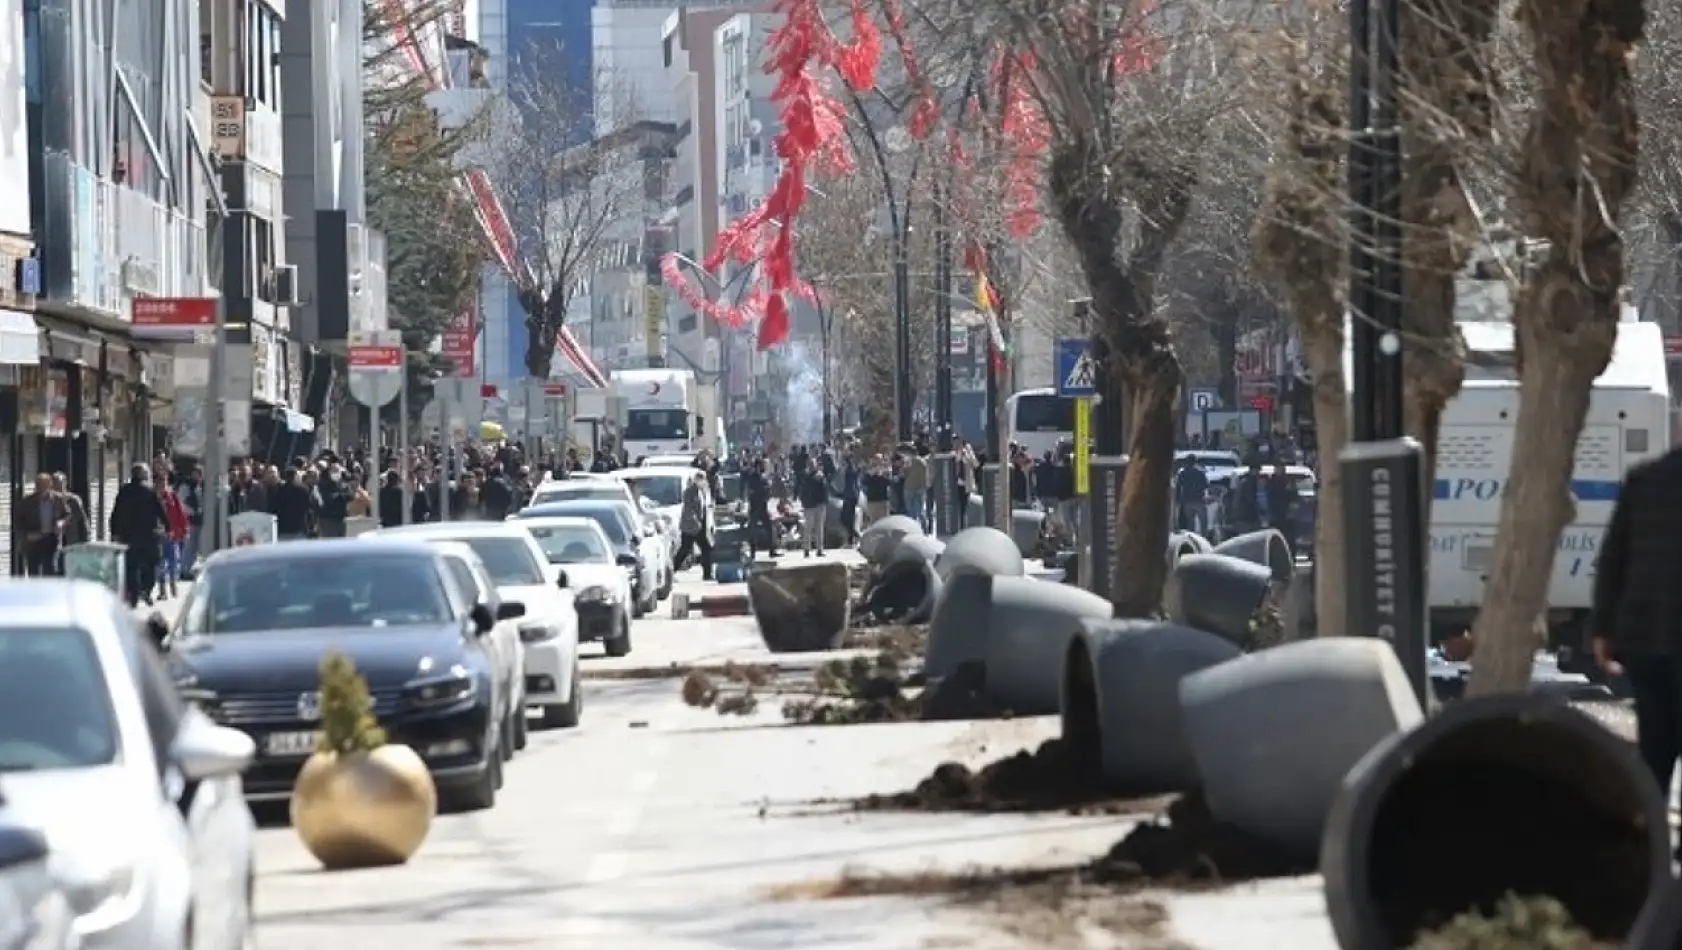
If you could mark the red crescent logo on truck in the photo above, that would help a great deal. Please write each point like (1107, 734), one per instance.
(654, 389)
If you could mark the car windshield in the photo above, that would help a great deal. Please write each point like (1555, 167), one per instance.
(507, 560)
(608, 517)
(571, 544)
(363, 590)
(55, 707)
(663, 490)
(646, 425)
(580, 490)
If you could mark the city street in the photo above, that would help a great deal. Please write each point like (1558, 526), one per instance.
(671, 828)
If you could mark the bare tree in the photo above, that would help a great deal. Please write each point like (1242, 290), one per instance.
(1575, 172)
(1299, 244)
(573, 197)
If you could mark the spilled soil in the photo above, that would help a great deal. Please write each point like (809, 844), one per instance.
(904, 641)
(1053, 777)
(729, 671)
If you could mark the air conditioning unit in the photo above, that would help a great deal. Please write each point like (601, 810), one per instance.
(286, 286)
(356, 249)
(140, 277)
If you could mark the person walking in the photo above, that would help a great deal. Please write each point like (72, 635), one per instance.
(1636, 617)
(175, 537)
(813, 491)
(139, 523)
(695, 524)
(39, 520)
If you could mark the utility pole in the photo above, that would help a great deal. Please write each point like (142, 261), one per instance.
(942, 322)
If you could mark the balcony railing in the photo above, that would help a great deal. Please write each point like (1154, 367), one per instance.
(91, 228)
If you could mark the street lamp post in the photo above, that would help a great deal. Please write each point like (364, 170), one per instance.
(1383, 470)
(942, 323)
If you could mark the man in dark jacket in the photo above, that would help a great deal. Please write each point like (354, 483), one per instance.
(138, 522)
(336, 494)
(391, 501)
(813, 492)
(496, 495)
(290, 505)
(1637, 618)
(756, 488)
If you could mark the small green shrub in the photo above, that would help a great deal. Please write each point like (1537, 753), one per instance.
(347, 709)
(1518, 923)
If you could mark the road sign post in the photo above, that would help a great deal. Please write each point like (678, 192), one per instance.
(1077, 373)
(376, 378)
(1082, 463)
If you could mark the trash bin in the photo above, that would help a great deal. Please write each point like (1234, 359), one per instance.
(99, 561)
(252, 527)
(356, 527)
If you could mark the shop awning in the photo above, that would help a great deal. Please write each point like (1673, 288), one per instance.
(298, 422)
(20, 339)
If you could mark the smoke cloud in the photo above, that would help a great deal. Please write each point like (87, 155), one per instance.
(804, 397)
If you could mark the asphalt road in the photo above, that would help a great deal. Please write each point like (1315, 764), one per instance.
(661, 827)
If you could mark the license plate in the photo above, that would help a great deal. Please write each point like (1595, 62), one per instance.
(290, 744)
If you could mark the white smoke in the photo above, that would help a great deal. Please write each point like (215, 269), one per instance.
(804, 397)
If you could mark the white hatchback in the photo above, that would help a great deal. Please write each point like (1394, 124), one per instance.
(137, 791)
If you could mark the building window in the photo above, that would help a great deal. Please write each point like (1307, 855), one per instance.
(667, 48)
(262, 59)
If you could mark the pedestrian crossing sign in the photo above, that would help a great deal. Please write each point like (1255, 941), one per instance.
(1077, 374)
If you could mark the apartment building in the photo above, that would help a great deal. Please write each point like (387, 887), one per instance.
(724, 167)
(105, 133)
(339, 259)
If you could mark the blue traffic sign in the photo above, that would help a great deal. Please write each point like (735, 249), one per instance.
(1077, 374)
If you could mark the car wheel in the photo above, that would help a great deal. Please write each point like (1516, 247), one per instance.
(505, 742)
(620, 643)
(481, 793)
(567, 715)
(666, 587)
(522, 732)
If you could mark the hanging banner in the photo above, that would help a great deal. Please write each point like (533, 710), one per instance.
(459, 344)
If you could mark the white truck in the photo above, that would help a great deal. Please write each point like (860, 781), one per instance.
(663, 412)
(1628, 421)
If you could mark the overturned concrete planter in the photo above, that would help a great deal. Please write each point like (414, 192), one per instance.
(1515, 794)
(975, 510)
(1274, 732)
(1217, 593)
(877, 542)
(917, 547)
(1266, 547)
(906, 592)
(800, 608)
(1025, 526)
(1183, 544)
(1027, 641)
(1121, 700)
(980, 550)
(958, 629)
(1660, 926)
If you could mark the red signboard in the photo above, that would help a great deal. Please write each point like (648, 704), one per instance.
(1264, 403)
(487, 390)
(375, 357)
(174, 313)
(1673, 347)
(459, 343)
(554, 390)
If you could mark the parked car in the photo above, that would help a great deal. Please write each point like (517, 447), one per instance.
(545, 640)
(34, 913)
(661, 490)
(633, 546)
(610, 487)
(137, 792)
(248, 643)
(601, 587)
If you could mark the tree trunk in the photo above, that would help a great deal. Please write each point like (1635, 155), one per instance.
(1323, 351)
(544, 316)
(1554, 389)
(1141, 565)
(1576, 169)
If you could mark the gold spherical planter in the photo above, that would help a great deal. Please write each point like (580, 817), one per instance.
(365, 809)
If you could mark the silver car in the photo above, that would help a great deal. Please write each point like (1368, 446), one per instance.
(34, 914)
(138, 793)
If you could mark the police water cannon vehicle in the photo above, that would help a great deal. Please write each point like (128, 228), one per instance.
(1627, 423)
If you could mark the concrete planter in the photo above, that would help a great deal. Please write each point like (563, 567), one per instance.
(1217, 593)
(980, 550)
(1121, 699)
(364, 809)
(958, 629)
(917, 548)
(1507, 794)
(906, 592)
(1025, 526)
(1266, 547)
(1029, 631)
(1184, 544)
(801, 608)
(1660, 926)
(877, 542)
(1275, 732)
